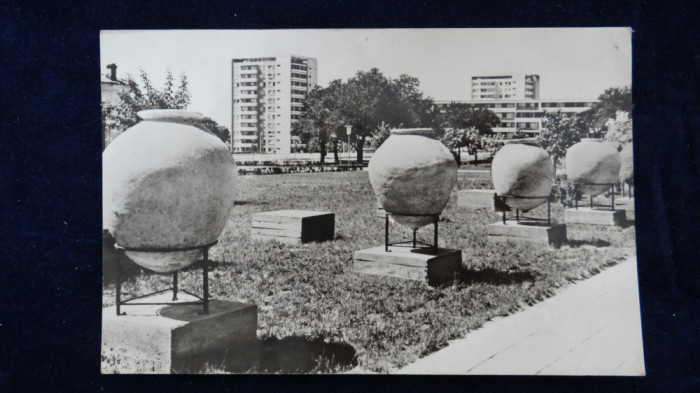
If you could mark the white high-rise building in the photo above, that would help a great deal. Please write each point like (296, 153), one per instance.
(505, 87)
(267, 98)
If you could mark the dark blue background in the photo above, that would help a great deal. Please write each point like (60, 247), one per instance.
(50, 149)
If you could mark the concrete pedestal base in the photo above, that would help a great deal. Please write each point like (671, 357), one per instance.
(586, 215)
(179, 338)
(476, 199)
(293, 226)
(418, 264)
(527, 232)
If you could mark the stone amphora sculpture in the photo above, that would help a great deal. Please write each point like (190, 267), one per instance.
(521, 173)
(413, 176)
(167, 183)
(627, 164)
(595, 162)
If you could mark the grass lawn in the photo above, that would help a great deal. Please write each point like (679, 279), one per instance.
(310, 291)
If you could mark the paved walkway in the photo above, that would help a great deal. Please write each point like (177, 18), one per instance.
(590, 328)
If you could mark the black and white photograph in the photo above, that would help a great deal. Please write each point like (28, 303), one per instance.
(369, 201)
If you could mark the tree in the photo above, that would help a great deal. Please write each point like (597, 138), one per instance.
(120, 114)
(465, 126)
(216, 129)
(321, 118)
(370, 102)
(609, 103)
(559, 132)
(373, 103)
(619, 129)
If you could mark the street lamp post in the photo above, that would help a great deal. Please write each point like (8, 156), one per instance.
(348, 127)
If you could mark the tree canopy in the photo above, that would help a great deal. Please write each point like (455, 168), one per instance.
(370, 102)
(609, 103)
(619, 129)
(559, 132)
(121, 113)
(321, 118)
(465, 126)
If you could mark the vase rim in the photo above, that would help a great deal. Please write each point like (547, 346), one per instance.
(412, 131)
(169, 114)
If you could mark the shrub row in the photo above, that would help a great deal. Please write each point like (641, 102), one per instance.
(278, 170)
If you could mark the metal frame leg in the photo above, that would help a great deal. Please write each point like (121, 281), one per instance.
(517, 215)
(414, 238)
(435, 234)
(205, 280)
(549, 215)
(386, 232)
(576, 196)
(612, 199)
(175, 285)
(591, 199)
(119, 282)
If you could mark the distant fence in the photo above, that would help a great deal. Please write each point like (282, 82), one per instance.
(289, 169)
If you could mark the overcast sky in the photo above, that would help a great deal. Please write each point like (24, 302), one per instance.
(573, 63)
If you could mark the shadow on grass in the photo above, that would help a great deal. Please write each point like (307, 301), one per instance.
(492, 276)
(595, 243)
(241, 203)
(628, 223)
(291, 355)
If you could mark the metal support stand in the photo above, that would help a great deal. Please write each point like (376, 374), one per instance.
(591, 204)
(501, 205)
(204, 299)
(414, 242)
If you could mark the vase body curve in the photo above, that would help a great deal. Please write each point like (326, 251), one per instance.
(167, 184)
(413, 176)
(522, 174)
(627, 164)
(593, 164)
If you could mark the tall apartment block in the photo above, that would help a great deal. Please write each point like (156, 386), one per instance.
(267, 98)
(508, 87)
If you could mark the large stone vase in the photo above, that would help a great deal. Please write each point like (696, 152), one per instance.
(627, 164)
(523, 175)
(413, 176)
(168, 183)
(594, 164)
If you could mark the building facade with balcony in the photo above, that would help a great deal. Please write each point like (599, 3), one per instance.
(508, 87)
(521, 118)
(267, 99)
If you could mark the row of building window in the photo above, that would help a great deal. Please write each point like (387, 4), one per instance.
(295, 75)
(526, 126)
(565, 104)
(301, 84)
(530, 114)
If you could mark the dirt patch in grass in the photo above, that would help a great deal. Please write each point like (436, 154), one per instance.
(310, 292)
